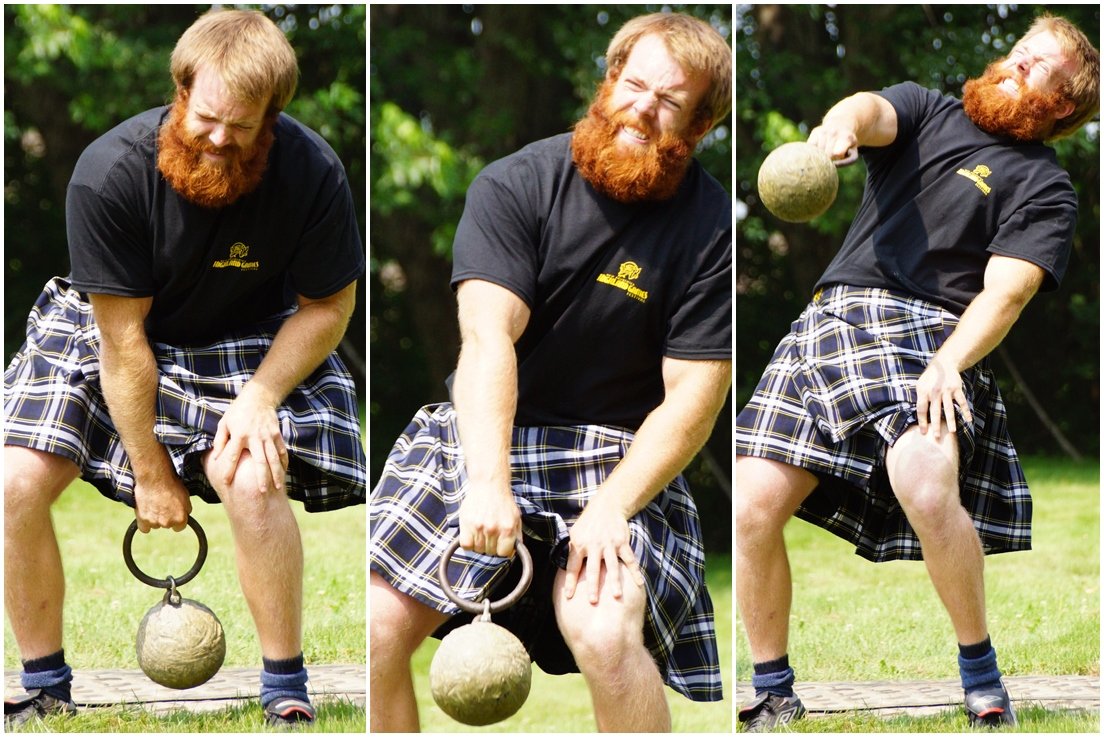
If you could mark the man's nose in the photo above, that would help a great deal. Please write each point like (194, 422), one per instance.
(219, 136)
(646, 103)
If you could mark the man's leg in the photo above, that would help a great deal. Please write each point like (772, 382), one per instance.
(924, 476)
(34, 584)
(767, 494)
(398, 625)
(269, 556)
(607, 641)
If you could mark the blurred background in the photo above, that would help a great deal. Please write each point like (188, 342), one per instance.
(793, 62)
(453, 88)
(73, 72)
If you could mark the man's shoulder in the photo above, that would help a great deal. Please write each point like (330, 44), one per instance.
(300, 140)
(131, 143)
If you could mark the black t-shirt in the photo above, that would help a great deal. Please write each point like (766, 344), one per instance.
(944, 196)
(210, 271)
(612, 288)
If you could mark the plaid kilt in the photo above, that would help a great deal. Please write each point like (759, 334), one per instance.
(841, 388)
(413, 519)
(53, 403)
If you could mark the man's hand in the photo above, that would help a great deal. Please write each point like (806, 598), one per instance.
(600, 537)
(833, 139)
(165, 503)
(938, 391)
(251, 424)
(490, 521)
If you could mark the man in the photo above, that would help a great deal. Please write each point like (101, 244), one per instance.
(877, 417)
(592, 273)
(215, 253)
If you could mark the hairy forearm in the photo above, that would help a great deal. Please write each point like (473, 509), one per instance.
(128, 379)
(485, 396)
(300, 346)
(670, 437)
(981, 328)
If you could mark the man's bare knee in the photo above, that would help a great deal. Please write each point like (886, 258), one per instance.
(398, 623)
(766, 494)
(33, 479)
(923, 473)
(604, 633)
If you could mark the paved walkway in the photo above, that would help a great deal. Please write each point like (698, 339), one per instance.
(232, 686)
(918, 697)
(229, 687)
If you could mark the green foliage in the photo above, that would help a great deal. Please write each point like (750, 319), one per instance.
(793, 62)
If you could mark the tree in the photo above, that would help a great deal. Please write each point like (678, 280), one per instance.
(792, 64)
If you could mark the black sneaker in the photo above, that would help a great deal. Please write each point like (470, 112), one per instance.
(990, 707)
(289, 713)
(769, 711)
(35, 704)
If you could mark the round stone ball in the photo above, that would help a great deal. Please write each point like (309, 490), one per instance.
(481, 674)
(797, 182)
(180, 645)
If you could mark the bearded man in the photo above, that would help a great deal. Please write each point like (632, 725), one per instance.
(878, 417)
(592, 273)
(215, 253)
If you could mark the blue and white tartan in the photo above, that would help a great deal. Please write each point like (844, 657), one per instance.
(413, 519)
(839, 391)
(53, 403)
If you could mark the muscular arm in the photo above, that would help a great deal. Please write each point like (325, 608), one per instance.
(1009, 284)
(666, 442)
(302, 343)
(485, 393)
(863, 119)
(128, 378)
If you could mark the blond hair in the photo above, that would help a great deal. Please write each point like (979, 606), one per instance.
(1082, 87)
(693, 43)
(249, 53)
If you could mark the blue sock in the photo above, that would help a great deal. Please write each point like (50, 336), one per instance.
(775, 677)
(283, 679)
(50, 673)
(978, 670)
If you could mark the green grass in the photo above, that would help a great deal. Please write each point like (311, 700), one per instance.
(562, 703)
(104, 603)
(853, 620)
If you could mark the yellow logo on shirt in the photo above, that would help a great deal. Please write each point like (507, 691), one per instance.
(977, 176)
(239, 252)
(627, 273)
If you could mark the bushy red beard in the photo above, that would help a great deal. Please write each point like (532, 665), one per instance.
(207, 183)
(1029, 117)
(651, 174)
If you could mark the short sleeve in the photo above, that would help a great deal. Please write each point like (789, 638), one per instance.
(701, 326)
(1040, 232)
(497, 237)
(109, 250)
(330, 252)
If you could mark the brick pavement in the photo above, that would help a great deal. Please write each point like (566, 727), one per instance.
(918, 697)
(232, 686)
(229, 687)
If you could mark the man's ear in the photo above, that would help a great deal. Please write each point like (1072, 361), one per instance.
(1065, 110)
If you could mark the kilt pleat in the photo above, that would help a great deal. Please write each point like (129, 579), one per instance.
(839, 391)
(53, 403)
(413, 519)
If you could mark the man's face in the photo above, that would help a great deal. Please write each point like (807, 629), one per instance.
(1037, 63)
(213, 149)
(1020, 95)
(225, 126)
(638, 136)
(653, 96)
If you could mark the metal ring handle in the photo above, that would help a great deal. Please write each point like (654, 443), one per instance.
(497, 606)
(171, 580)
